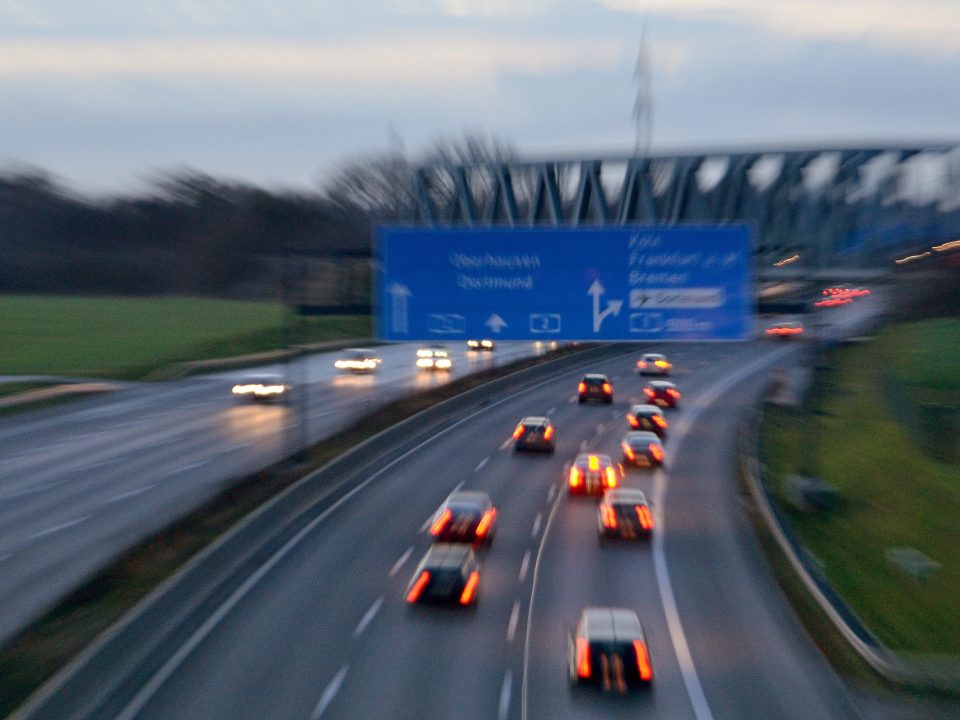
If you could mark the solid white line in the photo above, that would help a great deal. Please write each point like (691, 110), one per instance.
(536, 524)
(57, 528)
(552, 410)
(238, 446)
(399, 563)
(129, 494)
(329, 693)
(551, 492)
(185, 468)
(505, 691)
(368, 617)
(480, 464)
(524, 564)
(514, 618)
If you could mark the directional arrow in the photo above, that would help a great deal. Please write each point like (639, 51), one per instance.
(496, 323)
(613, 306)
(398, 306)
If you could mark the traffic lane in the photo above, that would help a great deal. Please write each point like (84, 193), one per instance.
(752, 654)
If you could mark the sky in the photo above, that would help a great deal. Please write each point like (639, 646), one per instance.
(108, 95)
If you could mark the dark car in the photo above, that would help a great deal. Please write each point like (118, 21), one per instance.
(649, 418)
(608, 651)
(785, 330)
(642, 449)
(662, 393)
(466, 517)
(624, 513)
(448, 574)
(595, 387)
(653, 364)
(535, 433)
(592, 474)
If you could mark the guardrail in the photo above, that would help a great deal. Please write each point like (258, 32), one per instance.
(112, 670)
(932, 672)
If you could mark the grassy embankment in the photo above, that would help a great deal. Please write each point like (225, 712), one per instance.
(127, 338)
(892, 495)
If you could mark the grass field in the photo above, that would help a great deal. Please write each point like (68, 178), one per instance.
(128, 337)
(892, 496)
(926, 355)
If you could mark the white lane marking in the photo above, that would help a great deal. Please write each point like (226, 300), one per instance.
(399, 563)
(677, 636)
(480, 464)
(572, 399)
(551, 492)
(368, 617)
(505, 692)
(600, 429)
(57, 528)
(506, 443)
(426, 524)
(514, 618)
(536, 524)
(129, 494)
(101, 463)
(524, 564)
(187, 468)
(330, 693)
(30, 490)
(552, 410)
(583, 445)
(238, 446)
(458, 486)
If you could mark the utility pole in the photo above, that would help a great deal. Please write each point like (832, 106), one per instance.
(643, 103)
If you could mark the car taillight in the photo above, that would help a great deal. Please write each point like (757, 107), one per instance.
(662, 364)
(641, 363)
(548, 433)
(483, 527)
(470, 589)
(659, 421)
(441, 522)
(644, 516)
(673, 393)
(518, 432)
(628, 451)
(582, 387)
(633, 421)
(607, 388)
(608, 517)
(643, 660)
(574, 477)
(418, 587)
(649, 392)
(656, 452)
(611, 477)
(583, 658)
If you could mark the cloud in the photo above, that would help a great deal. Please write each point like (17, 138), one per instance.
(425, 60)
(473, 8)
(929, 26)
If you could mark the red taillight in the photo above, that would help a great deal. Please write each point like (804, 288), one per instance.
(418, 587)
(673, 393)
(607, 388)
(548, 433)
(441, 522)
(659, 421)
(649, 392)
(583, 658)
(628, 451)
(582, 387)
(662, 364)
(633, 421)
(470, 589)
(644, 516)
(643, 660)
(518, 432)
(608, 517)
(641, 363)
(656, 451)
(483, 527)
(611, 476)
(574, 477)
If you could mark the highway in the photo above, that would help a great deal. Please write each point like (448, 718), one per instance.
(322, 629)
(82, 482)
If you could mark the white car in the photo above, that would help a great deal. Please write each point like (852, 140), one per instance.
(435, 357)
(358, 360)
(653, 364)
(261, 388)
(481, 344)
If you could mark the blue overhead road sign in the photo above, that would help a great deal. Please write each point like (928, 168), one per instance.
(603, 283)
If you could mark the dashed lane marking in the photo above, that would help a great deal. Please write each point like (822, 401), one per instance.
(399, 563)
(481, 464)
(330, 693)
(514, 618)
(57, 528)
(524, 566)
(368, 617)
(536, 525)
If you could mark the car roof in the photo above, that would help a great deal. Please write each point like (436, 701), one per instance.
(661, 384)
(584, 458)
(646, 409)
(469, 497)
(641, 436)
(653, 355)
(625, 495)
(365, 351)
(446, 556)
(535, 420)
(595, 376)
(259, 377)
(602, 623)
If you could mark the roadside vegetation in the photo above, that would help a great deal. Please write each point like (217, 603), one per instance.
(892, 493)
(127, 338)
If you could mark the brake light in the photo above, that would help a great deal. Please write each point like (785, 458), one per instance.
(633, 421)
(418, 586)
(608, 517)
(548, 433)
(483, 527)
(641, 363)
(644, 516)
(628, 451)
(659, 421)
(649, 392)
(582, 387)
(607, 388)
(583, 658)
(656, 451)
(673, 393)
(662, 364)
(643, 660)
(611, 477)
(518, 432)
(470, 589)
(441, 522)
(594, 462)
(574, 477)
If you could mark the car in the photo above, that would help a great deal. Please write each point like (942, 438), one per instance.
(624, 513)
(642, 449)
(466, 516)
(261, 388)
(785, 330)
(358, 360)
(434, 357)
(481, 344)
(608, 651)
(648, 417)
(592, 474)
(448, 574)
(662, 393)
(534, 433)
(653, 364)
(595, 386)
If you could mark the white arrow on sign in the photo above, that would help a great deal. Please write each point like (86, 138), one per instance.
(398, 307)
(613, 306)
(496, 323)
